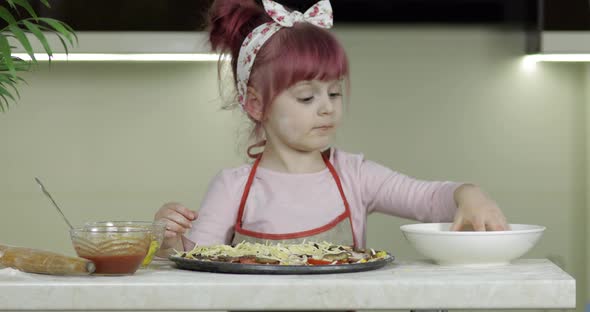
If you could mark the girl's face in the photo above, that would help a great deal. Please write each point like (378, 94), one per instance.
(304, 117)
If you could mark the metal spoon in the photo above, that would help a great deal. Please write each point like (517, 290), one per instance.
(53, 201)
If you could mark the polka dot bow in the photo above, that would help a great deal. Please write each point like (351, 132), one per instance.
(320, 14)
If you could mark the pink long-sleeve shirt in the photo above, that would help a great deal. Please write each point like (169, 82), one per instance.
(281, 203)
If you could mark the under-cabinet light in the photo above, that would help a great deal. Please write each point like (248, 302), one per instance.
(136, 57)
(529, 63)
(557, 58)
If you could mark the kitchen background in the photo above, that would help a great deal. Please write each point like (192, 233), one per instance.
(116, 140)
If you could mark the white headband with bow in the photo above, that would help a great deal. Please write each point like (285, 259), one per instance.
(320, 14)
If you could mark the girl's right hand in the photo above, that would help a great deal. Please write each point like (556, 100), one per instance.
(178, 220)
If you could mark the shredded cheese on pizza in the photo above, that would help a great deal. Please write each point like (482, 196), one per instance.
(306, 253)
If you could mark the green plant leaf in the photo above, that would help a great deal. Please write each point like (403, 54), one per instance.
(13, 86)
(27, 6)
(21, 65)
(8, 81)
(17, 63)
(63, 43)
(7, 93)
(61, 28)
(11, 4)
(45, 3)
(3, 100)
(6, 78)
(40, 36)
(24, 41)
(6, 15)
(3, 105)
(16, 30)
(6, 55)
(59, 36)
(11, 82)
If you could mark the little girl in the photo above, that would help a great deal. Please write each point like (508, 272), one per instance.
(289, 72)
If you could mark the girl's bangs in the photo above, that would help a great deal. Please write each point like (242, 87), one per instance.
(308, 55)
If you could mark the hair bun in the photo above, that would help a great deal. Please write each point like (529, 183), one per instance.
(230, 21)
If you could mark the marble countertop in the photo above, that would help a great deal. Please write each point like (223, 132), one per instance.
(526, 283)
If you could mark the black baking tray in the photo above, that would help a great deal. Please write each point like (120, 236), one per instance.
(241, 268)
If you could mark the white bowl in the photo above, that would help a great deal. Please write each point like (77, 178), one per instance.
(445, 247)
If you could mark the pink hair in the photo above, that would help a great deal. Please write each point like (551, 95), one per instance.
(293, 54)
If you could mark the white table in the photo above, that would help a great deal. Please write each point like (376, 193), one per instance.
(537, 284)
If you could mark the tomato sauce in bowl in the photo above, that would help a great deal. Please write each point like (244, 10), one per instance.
(116, 264)
(114, 250)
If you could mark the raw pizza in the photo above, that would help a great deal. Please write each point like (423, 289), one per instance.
(307, 253)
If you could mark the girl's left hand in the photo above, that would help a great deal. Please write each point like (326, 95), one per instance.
(476, 211)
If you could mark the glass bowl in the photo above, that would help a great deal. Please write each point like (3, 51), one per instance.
(157, 227)
(115, 250)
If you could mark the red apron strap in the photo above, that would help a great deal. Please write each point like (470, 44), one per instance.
(346, 205)
(247, 191)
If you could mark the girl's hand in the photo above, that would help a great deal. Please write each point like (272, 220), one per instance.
(476, 211)
(178, 220)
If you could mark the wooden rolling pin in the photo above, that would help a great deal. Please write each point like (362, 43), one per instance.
(43, 262)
